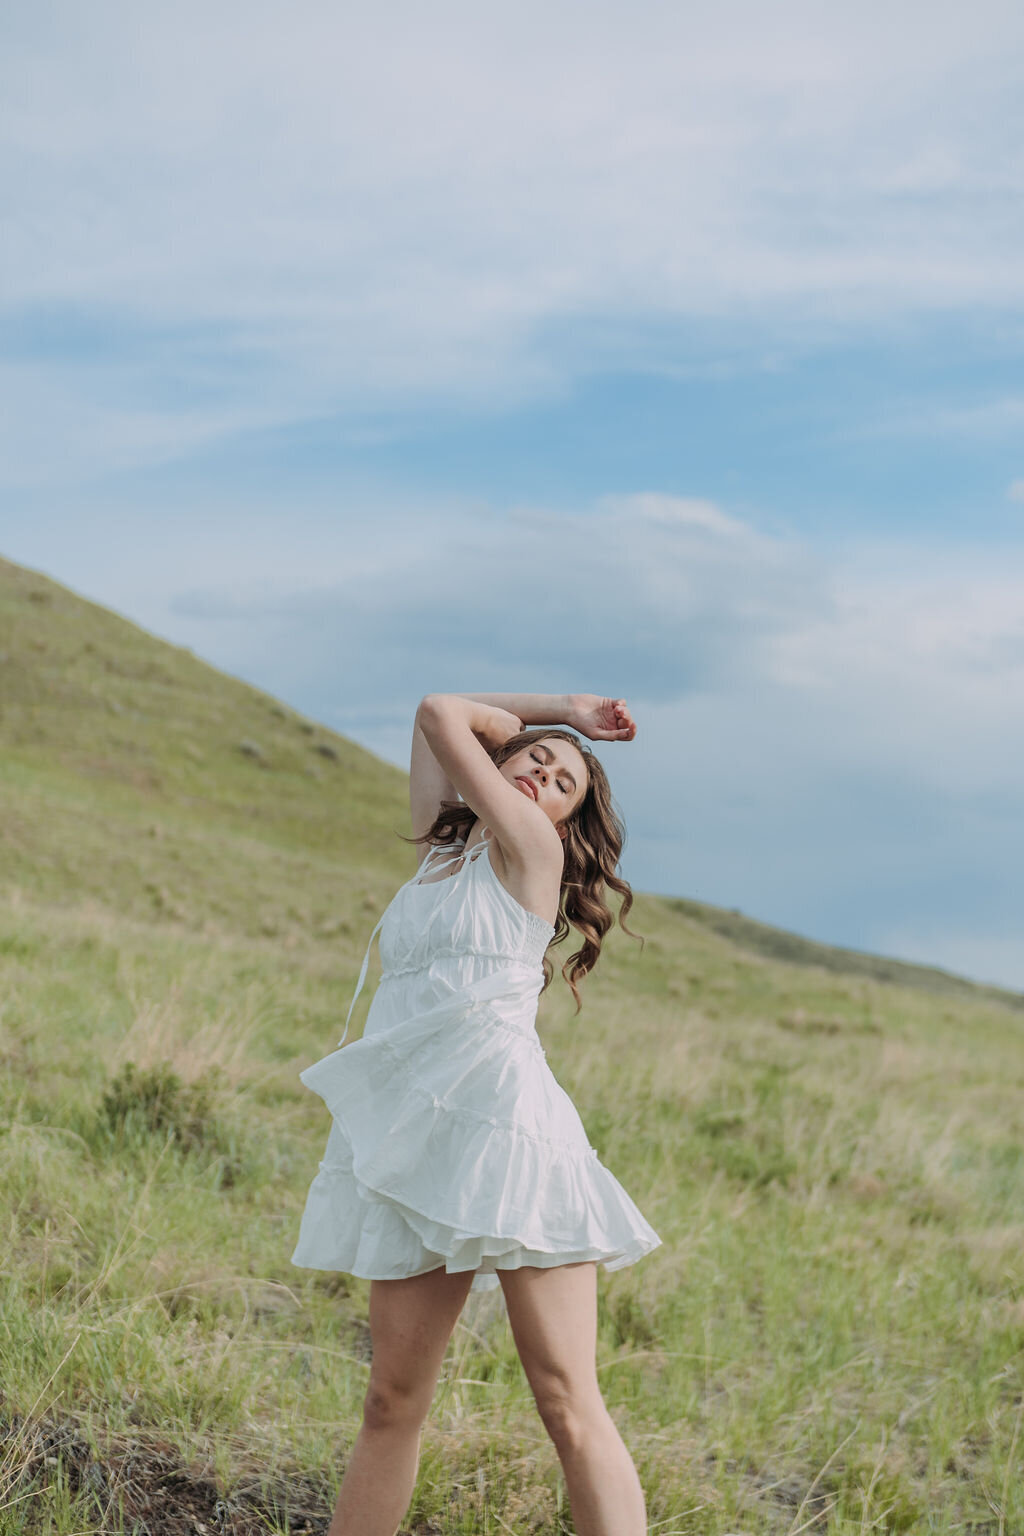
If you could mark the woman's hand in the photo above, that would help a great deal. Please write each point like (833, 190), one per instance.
(492, 726)
(602, 719)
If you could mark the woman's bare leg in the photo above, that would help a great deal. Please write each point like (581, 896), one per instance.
(553, 1313)
(411, 1322)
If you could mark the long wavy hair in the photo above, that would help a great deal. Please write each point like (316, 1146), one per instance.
(594, 835)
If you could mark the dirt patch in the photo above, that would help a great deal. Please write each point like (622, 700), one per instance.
(144, 1487)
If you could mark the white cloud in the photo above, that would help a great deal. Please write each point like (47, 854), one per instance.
(1016, 490)
(919, 667)
(986, 418)
(777, 667)
(377, 207)
(656, 594)
(992, 416)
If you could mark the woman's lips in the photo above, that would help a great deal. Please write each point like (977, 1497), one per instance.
(529, 785)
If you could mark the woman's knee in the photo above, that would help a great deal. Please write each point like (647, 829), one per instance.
(394, 1405)
(569, 1413)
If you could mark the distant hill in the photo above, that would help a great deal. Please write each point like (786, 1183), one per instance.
(140, 778)
(777, 944)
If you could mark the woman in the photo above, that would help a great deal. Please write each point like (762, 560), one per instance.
(454, 1159)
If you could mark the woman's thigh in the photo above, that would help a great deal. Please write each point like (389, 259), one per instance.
(411, 1322)
(553, 1313)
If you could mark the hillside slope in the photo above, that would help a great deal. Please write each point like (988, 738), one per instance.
(136, 775)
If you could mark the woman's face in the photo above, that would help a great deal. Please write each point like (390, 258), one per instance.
(552, 772)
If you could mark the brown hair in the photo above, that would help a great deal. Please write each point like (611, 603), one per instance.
(594, 835)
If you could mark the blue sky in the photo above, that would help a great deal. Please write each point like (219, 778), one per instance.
(676, 352)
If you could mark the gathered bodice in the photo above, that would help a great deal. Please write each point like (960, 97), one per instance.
(456, 933)
(467, 913)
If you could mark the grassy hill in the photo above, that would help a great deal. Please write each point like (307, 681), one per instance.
(830, 1144)
(137, 775)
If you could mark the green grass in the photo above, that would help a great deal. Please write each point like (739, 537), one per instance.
(830, 1339)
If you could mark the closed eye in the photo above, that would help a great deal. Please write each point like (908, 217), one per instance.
(563, 786)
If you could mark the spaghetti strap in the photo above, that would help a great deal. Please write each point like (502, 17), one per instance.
(456, 850)
(360, 983)
(432, 868)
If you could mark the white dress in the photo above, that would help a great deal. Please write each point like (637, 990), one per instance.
(452, 1145)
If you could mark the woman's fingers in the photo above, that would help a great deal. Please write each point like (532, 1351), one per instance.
(607, 720)
(624, 720)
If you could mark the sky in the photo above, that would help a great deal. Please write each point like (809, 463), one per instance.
(673, 352)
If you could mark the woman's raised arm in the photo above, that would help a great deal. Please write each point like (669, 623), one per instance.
(461, 734)
(599, 718)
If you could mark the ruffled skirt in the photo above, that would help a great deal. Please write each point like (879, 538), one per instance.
(452, 1146)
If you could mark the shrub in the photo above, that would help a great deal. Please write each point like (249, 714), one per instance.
(155, 1101)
